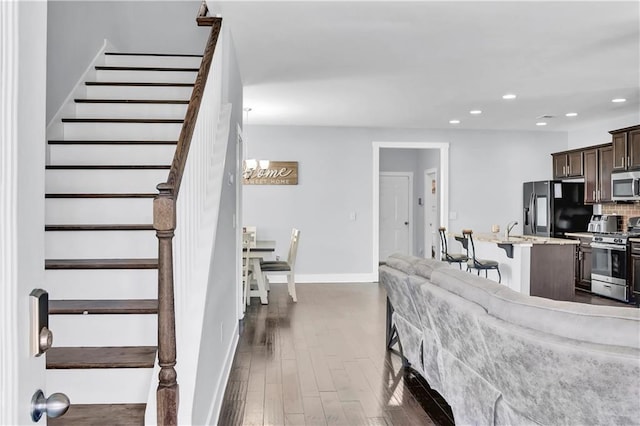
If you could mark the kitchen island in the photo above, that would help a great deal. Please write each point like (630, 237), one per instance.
(535, 266)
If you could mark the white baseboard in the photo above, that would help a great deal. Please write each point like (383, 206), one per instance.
(214, 410)
(328, 278)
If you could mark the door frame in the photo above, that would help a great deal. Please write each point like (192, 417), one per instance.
(427, 172)
(409, 206)
(443, 199)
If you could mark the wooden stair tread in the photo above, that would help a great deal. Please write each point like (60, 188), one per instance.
(101, 264)
(109, 167)
(100, 227)
(101, 195)
(101, 415)
(127, 83)
(102, 307)
(101, 357)
(110, 142)
(133, 68)
(124, 120)
(131, 101)
(180, 55)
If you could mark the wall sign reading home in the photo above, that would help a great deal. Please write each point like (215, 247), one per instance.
(264, 172)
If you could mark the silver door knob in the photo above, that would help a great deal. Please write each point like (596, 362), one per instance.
(55, 406)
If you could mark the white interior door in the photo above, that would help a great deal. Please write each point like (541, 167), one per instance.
(395, 213)
(431, 239)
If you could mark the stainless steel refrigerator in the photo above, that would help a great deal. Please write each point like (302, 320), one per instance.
(551, 208)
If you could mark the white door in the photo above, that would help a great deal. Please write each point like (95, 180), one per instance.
(431, 238)
(395, 214)
(22, 132)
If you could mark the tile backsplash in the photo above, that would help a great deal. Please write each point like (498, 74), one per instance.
(626, 210)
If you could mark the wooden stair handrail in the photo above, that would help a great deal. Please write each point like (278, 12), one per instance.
(164, 222)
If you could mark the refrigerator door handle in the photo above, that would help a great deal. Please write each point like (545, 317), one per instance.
(532, 209)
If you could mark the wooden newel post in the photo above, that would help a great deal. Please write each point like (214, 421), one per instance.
(164, 222)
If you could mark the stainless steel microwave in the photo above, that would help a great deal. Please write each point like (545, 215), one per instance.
(625, 186)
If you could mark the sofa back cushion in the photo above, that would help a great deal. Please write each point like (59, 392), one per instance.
(608, 325)
(396, 284)
(400, 264)
(468, 286)
(425, 267)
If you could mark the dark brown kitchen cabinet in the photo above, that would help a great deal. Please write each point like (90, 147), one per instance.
(626, 148)
(605, 167)
(567, 164)
(598, 162)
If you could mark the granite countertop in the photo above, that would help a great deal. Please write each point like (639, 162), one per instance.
(521, 239)
(635, 239)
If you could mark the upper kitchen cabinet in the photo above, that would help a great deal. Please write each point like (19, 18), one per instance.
(626, 148)
(598, 164)
(567, 164)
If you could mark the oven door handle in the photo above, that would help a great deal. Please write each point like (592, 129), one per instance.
(609, 246)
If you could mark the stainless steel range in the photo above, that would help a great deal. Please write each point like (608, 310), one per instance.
(609, 271)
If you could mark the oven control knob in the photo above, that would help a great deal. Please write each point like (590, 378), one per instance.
(617, 240)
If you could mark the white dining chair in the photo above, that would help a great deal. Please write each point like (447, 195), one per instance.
(280, 267)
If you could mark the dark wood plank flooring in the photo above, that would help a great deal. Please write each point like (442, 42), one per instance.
(323, 361)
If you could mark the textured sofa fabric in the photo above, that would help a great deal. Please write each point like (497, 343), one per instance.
(500, 357)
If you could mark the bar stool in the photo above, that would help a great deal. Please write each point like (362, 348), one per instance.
(451, 258)
(476, 263)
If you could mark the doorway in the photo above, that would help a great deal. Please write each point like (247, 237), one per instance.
(396, 215)
(442, 195)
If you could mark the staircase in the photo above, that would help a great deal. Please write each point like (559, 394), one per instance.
(100, 246)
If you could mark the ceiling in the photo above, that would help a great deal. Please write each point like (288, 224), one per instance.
(420, 64)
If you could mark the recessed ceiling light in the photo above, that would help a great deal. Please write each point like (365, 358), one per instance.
(571, 114)
(509, 96)
(454, 121)
(541, 123)
(475, 111)
(618, 100)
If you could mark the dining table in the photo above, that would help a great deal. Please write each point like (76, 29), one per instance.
(254, 254)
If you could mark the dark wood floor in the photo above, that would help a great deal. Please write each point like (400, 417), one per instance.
(323, 361)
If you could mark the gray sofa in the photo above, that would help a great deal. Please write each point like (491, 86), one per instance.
(500, 357)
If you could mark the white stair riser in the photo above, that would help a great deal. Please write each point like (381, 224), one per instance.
(152, 61)
(130, 110)
(143, 155)
(121, 131)
(100, 244)
(104, 181)
(139, 92)
(146, 76)
(102, 385)
(63, 211)
(101, 283)
(104, 330)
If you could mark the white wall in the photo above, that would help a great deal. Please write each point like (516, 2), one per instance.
(597, 132)
(77, 29)
(487, 169)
